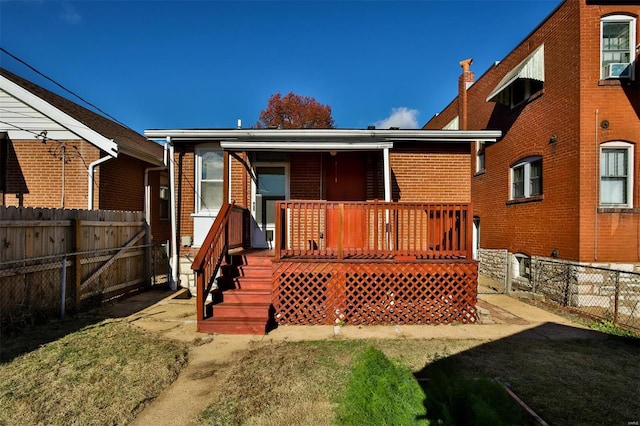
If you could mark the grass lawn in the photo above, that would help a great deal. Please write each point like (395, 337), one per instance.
(102, 373)
(568, 382)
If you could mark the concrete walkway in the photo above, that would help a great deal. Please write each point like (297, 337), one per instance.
(172, 316)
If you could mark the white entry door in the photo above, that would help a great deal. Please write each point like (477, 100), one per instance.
(271, 185)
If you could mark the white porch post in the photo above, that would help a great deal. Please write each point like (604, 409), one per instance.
(387, 175)
(387, 192)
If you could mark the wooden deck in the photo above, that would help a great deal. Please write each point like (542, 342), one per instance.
(417, 270)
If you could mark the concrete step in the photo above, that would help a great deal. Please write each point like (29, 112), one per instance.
(246, 296)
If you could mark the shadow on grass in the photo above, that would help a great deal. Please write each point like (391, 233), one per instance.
(24, 340)
(567, 375)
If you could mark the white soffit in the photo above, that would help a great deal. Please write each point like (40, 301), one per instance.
(63, 119)
(531, 68)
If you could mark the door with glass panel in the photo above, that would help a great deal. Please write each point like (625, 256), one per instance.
(271, 185)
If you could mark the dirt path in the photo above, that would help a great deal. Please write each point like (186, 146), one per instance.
(196, 387)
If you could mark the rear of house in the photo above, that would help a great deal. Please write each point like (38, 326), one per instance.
(359, 201)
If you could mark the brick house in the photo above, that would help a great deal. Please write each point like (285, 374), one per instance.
(329, 199)
(562, 182)
(55, 153)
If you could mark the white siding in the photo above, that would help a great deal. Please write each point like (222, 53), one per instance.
(21, 121)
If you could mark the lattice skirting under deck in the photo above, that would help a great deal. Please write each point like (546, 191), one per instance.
(375, 293)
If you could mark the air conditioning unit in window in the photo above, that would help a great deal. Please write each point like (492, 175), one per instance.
(617, 70)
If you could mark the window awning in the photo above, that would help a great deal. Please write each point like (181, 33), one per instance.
(532, 68)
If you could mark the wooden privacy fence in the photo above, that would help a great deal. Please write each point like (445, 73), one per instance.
(373, 230)
(54, 258)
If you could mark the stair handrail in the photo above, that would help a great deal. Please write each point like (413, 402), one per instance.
(209, 258)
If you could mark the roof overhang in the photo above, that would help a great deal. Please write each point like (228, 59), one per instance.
(318, 139)
(74, 126)
(532, 68)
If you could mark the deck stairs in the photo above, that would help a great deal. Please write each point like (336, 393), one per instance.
(243, 302)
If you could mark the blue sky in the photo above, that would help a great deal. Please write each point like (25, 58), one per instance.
(205, 64)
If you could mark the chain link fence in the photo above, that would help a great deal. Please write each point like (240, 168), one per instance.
(35, 289)
(601, 293)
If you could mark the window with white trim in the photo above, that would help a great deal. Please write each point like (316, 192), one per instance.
(526, 178)
(480, 146)
(617, 44)
(209, 179)
(521, 266)
(616, 175)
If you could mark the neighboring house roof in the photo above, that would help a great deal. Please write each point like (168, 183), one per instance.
(319, 139)
(105, 134)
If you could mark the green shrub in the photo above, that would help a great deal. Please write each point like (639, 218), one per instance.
(381, 392)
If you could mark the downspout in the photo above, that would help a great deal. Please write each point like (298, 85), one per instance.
(92, 167)
(174, 233)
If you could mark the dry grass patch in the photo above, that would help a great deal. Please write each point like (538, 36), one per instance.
(101, 374)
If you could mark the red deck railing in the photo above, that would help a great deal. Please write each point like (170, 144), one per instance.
(373, 230)
(225, 233)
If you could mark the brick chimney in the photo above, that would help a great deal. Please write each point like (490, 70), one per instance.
(466, 79)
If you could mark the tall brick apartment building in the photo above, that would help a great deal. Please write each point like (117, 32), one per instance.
(56, 154)
(563, 182)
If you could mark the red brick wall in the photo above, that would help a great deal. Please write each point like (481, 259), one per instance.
(184, 157)
(437, 173)
(34, 169)
(609, 235)
(122, 184)
(305, 172)
(565, 218)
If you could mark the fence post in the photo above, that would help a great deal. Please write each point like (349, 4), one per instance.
(63, 286)
(78, 262)
(615, 300)
(567, 285)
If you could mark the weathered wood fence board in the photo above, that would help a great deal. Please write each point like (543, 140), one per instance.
(104, 253)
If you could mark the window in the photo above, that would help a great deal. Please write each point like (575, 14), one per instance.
(164, 196)
(480, 156)
(209, 179)
(520, 91)
(521, 83)
(526, 178)
(618, 40)
(522, 266)
(616, 174)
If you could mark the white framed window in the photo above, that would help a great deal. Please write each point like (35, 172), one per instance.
(616, 175)
(480, 146)
(522, 266)
(617, 45)
(209, 179)
(526, 178)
